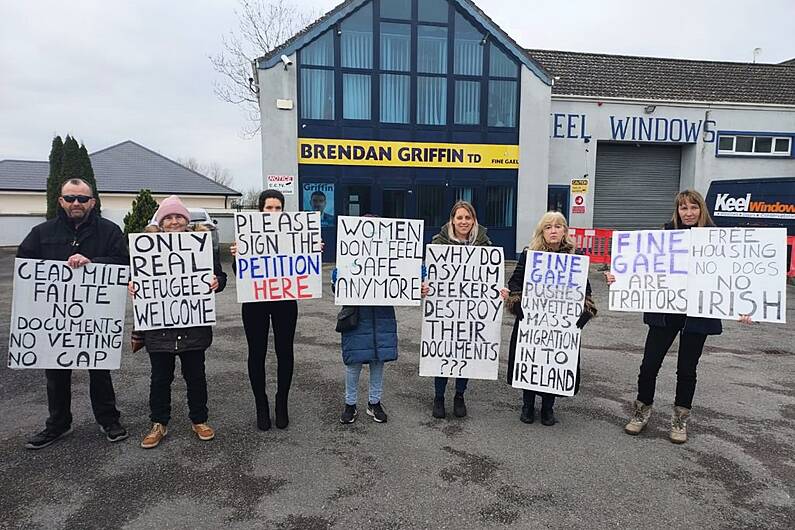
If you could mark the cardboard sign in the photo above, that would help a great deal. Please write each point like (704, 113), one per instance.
(738, 271)
(379, 261)
(462, 312)
(548, 342)
(651, 269)
(172, 273)
(278, 256)
(64, 318)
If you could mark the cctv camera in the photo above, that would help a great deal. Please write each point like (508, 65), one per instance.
(286, 61)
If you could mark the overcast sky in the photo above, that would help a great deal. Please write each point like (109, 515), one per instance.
(112, 71)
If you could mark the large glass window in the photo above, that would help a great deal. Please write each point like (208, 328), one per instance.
(431, 100)
(356, 39)
(320, 52)
(465, 193)
(396, 9)
(431, 206)
(499, 207)
(468, 50)
(502, 103)
(433, 10)
(395, 96)
(395, 47)
(431, 50)
(467, 102)
(317, 94)
(500, 65)
(356, 90)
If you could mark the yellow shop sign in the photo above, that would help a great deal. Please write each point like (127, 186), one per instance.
(406, 154)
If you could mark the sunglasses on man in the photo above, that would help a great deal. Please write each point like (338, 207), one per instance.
(82, 199)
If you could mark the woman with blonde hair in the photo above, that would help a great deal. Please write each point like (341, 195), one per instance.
(690, 210)
(461, 229)
(550, 235)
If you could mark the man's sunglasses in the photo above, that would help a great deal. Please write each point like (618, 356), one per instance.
(82, 199)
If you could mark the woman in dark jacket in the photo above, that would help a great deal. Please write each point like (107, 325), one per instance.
(462, 229)
(257, 319)
(690, 210)
(189, 344)
(551, 235)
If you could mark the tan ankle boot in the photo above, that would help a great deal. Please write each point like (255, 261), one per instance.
(679, 425)
(640, 417)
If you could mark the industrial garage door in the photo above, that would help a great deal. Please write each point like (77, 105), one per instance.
(635, 185)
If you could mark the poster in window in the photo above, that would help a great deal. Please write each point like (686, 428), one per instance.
(319, 197)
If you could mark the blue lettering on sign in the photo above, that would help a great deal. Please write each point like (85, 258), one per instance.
(643, 129)
(569, 126)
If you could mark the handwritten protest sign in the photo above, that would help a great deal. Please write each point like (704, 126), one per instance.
(379, 261)
(650, 267)
(548, 341)
(278, 256)
(64, 318)
(462, 312)
(738, 271)
(172, 273)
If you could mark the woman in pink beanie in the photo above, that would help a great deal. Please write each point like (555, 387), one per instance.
(187, 343)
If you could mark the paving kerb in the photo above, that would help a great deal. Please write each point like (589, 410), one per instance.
(484, 471)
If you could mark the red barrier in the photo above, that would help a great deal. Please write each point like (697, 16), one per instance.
(593, 242)
(791, 244)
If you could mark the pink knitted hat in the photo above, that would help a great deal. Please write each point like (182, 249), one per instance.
(171, 206)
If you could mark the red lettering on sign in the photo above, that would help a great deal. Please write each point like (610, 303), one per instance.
(282, 288)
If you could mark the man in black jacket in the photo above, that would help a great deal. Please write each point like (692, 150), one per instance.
(77, 235)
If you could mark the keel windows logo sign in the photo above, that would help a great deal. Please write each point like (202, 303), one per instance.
(727, 205)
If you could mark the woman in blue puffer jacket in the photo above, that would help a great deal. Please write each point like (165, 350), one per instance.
(373, 342)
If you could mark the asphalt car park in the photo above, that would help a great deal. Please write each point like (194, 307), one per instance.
(483, 471)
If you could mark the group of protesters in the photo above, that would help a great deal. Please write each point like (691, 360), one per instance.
(78, 235)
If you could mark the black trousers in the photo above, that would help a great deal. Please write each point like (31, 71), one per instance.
(163, 363)
(59, 398)
(658, 341)
(440, 384)
(257, 318)
(547, 400)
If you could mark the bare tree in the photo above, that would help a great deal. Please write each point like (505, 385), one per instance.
(212, 170)
(262, 26)
(248, 201)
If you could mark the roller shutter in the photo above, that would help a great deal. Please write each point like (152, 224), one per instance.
(635, 185)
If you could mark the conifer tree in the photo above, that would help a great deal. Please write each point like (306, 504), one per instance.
(87, 174)
(54, 178)
(143, 208)
(71, 164)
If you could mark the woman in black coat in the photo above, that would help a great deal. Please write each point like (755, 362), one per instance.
(690, 210)
(551, 235)
(187, 343)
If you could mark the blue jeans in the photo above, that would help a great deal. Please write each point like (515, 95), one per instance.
(352, 372)
(441, 384)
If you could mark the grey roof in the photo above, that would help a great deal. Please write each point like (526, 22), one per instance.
(123, 168)
(654, 78)
(313, 30)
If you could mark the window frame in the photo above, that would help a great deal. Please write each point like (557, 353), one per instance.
(774, 138)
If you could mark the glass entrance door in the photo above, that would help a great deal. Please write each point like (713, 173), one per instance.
(395, 203)
(357, 200)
